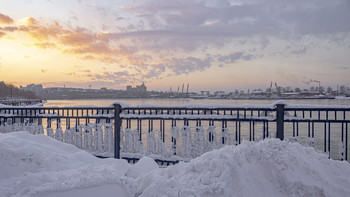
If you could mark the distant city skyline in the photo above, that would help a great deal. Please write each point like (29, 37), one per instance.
(209, 44)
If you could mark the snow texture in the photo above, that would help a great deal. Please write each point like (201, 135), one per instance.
(38, 165)
(267, 168)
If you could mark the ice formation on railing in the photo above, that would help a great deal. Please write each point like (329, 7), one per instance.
(151, 143)
(68, 135)
(87, 137)
(174, 136)
(186, 142)
(130, 140)
(98, 143)
(162, 149)
(310, 141)
(49, 132)
(198, 142)
(78, 136)
(225, 137)
(59, 133)
(211, 141)
(341, 150)
(109, 143)
(294, 139)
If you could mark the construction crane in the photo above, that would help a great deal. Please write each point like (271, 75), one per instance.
(278, 89)
(188, 85)
(270, 88)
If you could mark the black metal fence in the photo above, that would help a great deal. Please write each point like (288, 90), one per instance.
(172, 133)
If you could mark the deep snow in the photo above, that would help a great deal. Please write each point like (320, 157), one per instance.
(37, 165)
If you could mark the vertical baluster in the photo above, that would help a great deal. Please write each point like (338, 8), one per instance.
(346, 142)
(329, 139)
(325, 137)
(253, 130)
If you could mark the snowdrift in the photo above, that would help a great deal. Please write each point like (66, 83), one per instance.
(267, 168)
(37, 165)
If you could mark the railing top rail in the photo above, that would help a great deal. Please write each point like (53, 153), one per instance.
(54, 107)
(317, 107)
(198, 108)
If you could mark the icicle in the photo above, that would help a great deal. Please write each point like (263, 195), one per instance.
(122, 140)
(341, 150)
(31, 128)
(139, 146)
(68, 135)
(2, 128)
(310, 141)
(211, 142)
(186, 147)
(99, 138)
(87, 137)
(95, 133)
(17, 127)
(175, 135)
(49, 132)
(294, 139)
(162, 149)
(78, 136)
(151, 143)
(59, 133)
(108, 141)
(225, 135)
(198, 142)
(138, 143)
(129, 140)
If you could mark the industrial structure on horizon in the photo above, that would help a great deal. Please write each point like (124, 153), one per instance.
(140, 91)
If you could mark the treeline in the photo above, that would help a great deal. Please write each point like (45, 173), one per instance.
(8, 91)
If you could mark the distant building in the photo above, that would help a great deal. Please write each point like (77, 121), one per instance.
(33, 88)
(139, 89)
(207, 93)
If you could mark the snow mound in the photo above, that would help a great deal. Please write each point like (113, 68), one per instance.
(143, 166)
(37, 164)
(268, 168)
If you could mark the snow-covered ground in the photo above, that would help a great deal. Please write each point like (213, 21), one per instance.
(37, 165)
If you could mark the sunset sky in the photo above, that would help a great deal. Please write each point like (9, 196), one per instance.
(210, 44)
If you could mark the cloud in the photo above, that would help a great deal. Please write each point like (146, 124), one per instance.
(188, 65)
(156, 38)
(5, 19)
(45, 45)
(245, 19)
(234, 57)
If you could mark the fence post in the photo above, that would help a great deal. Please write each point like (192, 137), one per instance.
(280, 121)
(117, 125)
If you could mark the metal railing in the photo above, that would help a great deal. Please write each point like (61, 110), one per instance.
(132, 132)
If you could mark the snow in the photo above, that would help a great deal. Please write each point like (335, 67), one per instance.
(206, 106)
(38, 165)
(267, 168)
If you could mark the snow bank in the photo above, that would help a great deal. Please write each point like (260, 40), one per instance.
(267, 168)
(37, 165)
